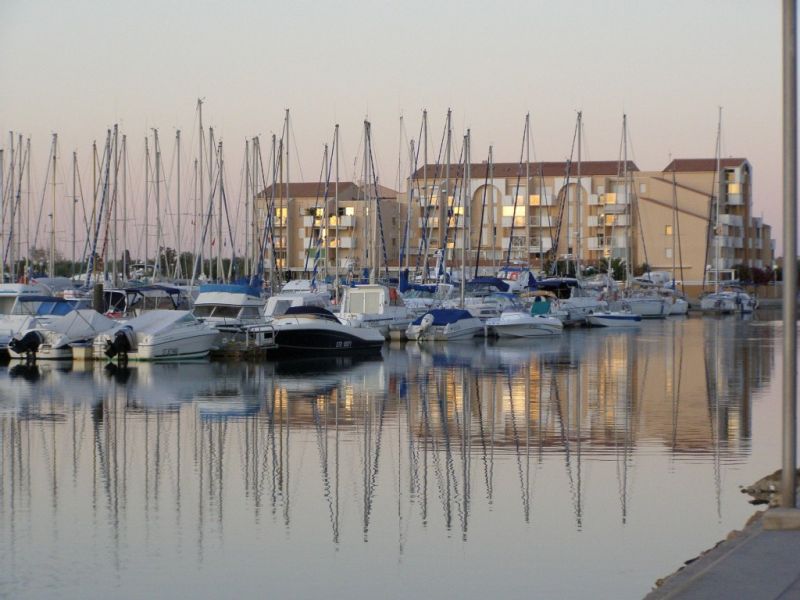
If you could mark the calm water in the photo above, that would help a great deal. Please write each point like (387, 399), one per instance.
(584, 467)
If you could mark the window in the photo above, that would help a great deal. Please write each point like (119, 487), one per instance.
(350, 211)
(642, 188)
(668, 252)
(734, 188)
(535, 200)
(668, 230)
(508, 211)
(611, 198)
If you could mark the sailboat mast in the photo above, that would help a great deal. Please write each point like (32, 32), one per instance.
(52, 268)
(2, 216)
(199, 163)
(465, 218)
(716, 199)
(288, 179)
(425, 231)
(578, 222)
(336, 205)
(527, 208)
(9, 254)
(444, 202)
(247, 187)
(220, 268)
(114, 270)
(628, 210)
(409, 199)
(146, 202)
(157, 145)
(178, 270)
(125, 248)
(74, 205)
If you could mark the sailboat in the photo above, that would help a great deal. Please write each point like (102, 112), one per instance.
(447, 324)
(728, 299)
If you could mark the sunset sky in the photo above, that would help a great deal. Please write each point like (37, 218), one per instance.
(78, 67)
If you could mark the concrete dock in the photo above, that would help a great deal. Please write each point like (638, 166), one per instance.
(757, 563)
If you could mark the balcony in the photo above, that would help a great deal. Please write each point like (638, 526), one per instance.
(728, 219)
(344, 242)
(345, 221)
(310, 221)
(545, 221)
(735, 199)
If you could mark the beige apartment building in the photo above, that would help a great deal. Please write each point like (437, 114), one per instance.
(592, 211)
(335, 226)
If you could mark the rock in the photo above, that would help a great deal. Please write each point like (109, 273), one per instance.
(767, 489)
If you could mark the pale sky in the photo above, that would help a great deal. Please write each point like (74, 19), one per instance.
(77, 67)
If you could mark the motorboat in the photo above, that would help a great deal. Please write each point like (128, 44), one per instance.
(445, 324)
(614, 318)
(29, 311)
(231, 309)
(54, 338)
(158, 335)
(376, 306)
(516, 323)
(314, 331)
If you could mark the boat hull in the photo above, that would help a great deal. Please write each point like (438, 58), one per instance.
(611, 319)
(323, 341)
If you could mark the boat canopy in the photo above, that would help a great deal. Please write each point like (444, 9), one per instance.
(444, 316)
(231, 288)
(47, 305)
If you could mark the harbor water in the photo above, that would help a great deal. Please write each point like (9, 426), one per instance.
(584, 466)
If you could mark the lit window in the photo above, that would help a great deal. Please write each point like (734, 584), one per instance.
(609, 219)
(458, 210)
(734, 188)
(350, 211)
(611, 198)
(508, 211)
(535, 200)
(668, 230)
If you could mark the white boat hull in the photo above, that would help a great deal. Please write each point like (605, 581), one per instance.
(614, 319)
(522, 325)
(460, 330)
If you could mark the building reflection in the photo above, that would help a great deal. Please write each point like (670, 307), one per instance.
(430, 427)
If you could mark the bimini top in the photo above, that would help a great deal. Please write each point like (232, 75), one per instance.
(316, 311)
(444, 316)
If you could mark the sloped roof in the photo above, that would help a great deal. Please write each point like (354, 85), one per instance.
(316, 189)
(547, 169)
(700, 165)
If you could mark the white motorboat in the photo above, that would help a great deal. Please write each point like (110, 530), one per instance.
(375, 306)
(158, 335)
(519, 324)
(613, 318)
(231, 309)
(54, 338)
(444, 324)
(29, 311)
(313, 331)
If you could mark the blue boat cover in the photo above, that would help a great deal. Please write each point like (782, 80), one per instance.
(488, 281)
(231, 288)
(444, 316)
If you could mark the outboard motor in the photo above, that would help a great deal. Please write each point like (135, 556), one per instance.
(27, 345)
(121, 344)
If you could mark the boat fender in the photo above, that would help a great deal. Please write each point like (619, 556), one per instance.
(393, 296)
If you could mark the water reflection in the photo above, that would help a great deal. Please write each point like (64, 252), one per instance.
(437, 432)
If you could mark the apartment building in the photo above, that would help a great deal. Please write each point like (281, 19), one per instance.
(529, 213)
(330, 227)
